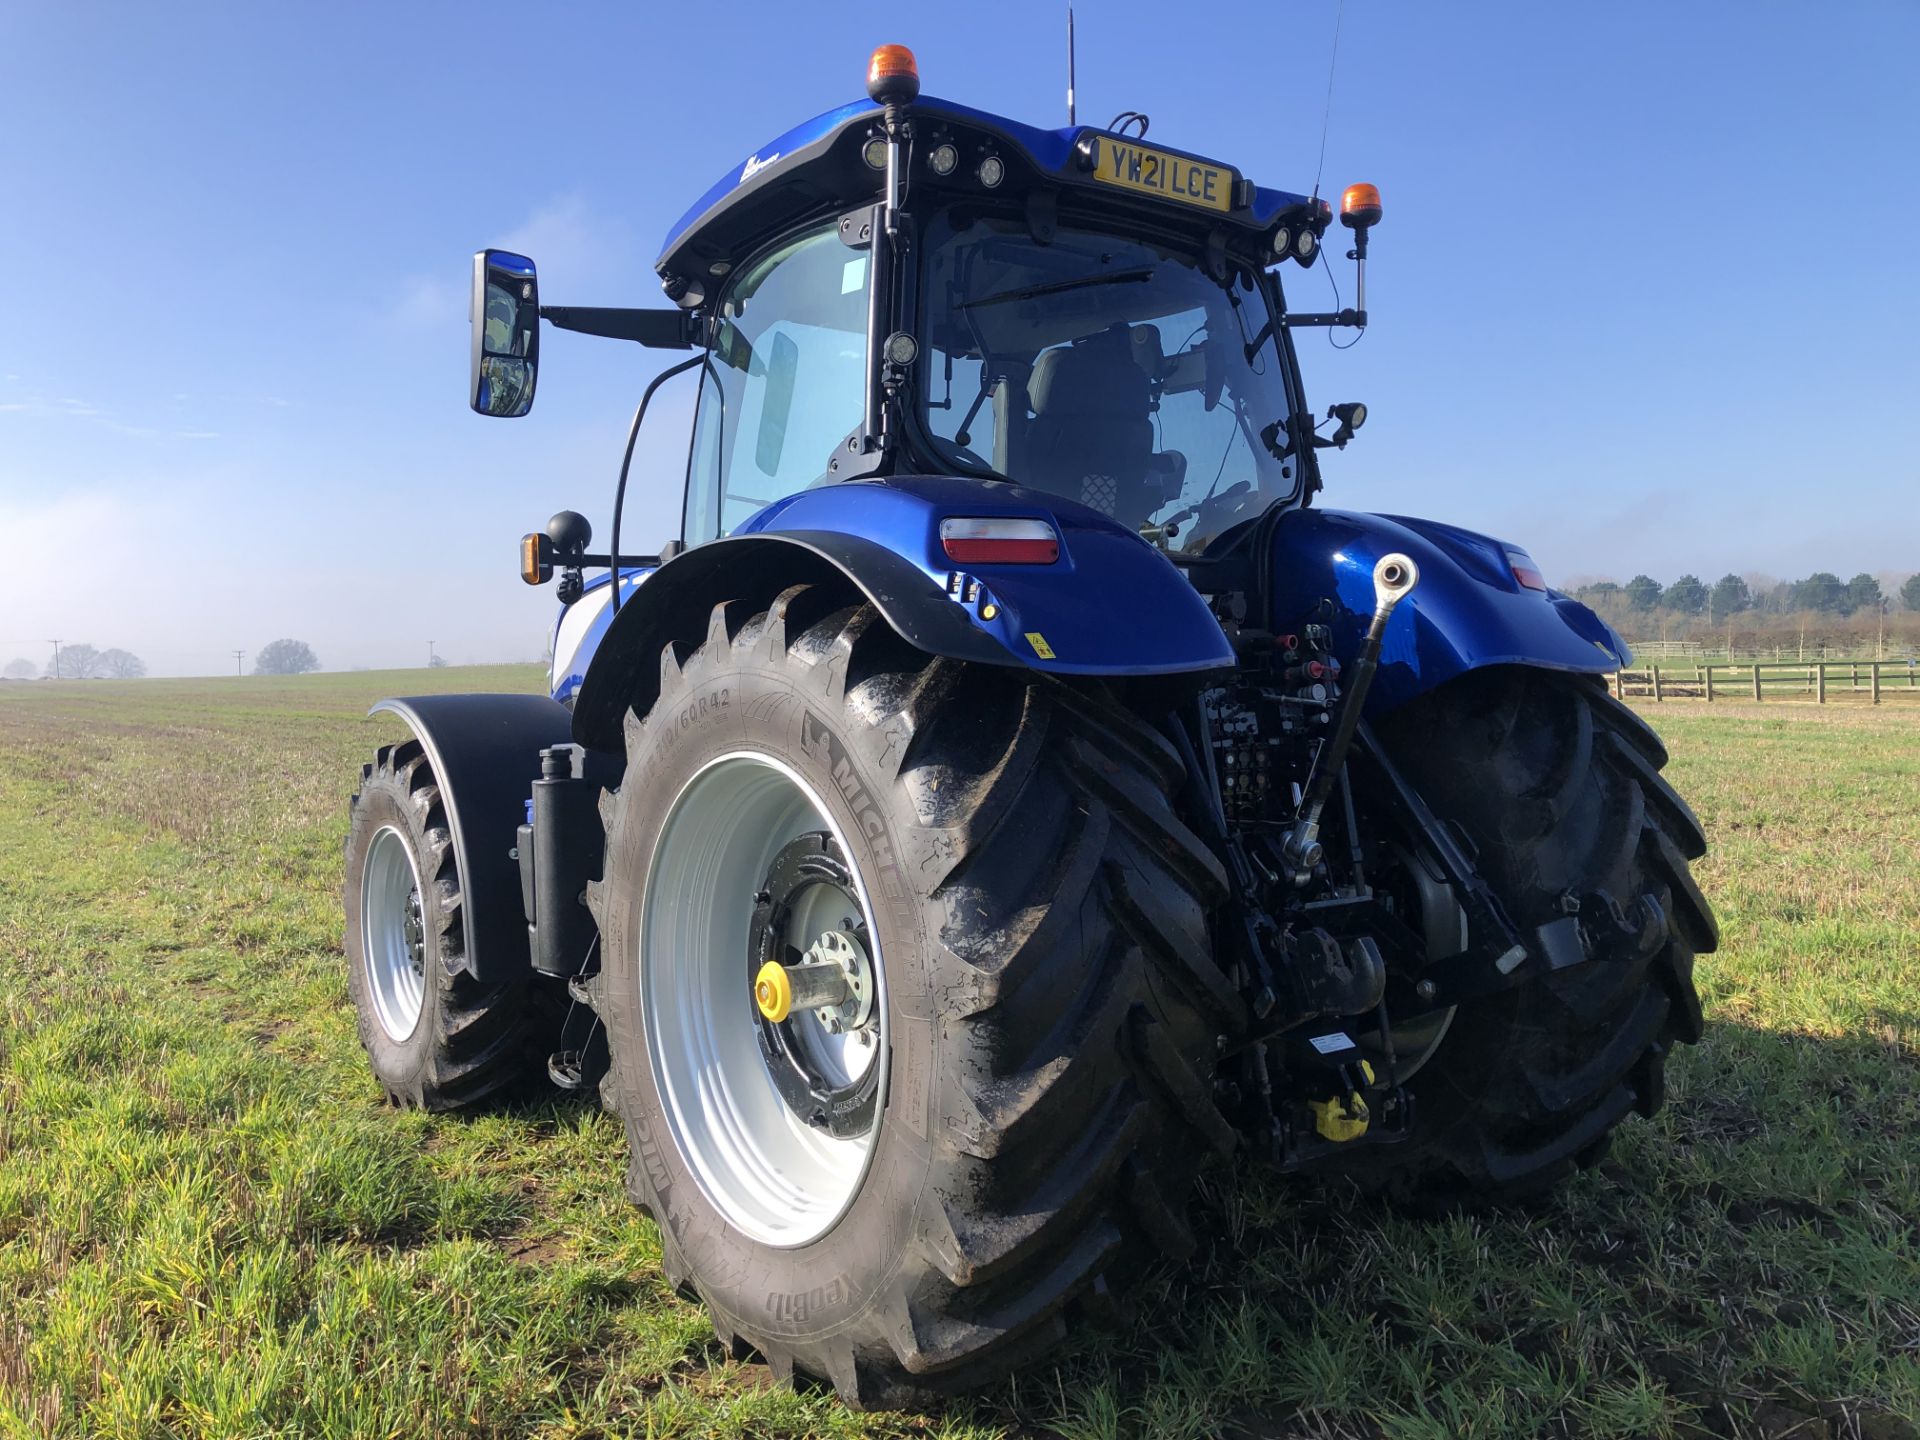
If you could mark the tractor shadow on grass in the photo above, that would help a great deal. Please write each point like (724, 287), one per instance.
(1743, 1265)
(1746, 1264)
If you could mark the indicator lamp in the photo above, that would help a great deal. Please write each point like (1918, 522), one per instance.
(992, 171)
(942, 159)
(536, 559)
(892, 76)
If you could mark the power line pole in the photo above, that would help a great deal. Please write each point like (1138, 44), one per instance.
(429, 654)
(238, 656)
(56, 658)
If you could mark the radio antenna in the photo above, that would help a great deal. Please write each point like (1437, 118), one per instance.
(1070, 114)
(1326, 117)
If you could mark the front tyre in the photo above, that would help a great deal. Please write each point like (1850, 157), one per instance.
(903, 1181)
(437, 1039)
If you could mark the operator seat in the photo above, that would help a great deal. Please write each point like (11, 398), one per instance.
(1091, 438)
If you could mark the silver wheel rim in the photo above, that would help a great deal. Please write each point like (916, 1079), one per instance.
(393, 933)
(770, 1174)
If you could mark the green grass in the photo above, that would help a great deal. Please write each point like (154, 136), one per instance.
(211, 1226)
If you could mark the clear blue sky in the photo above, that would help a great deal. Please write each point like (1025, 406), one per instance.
(1644, 295)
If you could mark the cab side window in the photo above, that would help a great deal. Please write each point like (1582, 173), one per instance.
(787, 381)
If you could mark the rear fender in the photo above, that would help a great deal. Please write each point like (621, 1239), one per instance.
(1111, 605)
(485, 753)
(1467, 612)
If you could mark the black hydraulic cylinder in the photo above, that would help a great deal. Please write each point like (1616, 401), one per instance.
(567, 850)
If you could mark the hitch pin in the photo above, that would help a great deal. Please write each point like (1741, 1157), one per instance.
(1394, 576)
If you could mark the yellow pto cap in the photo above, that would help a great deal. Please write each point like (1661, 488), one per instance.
(773, 991)
(1340, 1120)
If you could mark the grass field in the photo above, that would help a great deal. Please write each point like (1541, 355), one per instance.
(211, 1226)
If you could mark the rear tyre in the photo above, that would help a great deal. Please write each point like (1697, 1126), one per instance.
(437, 1038)
(920, 1209)
(1557, 786)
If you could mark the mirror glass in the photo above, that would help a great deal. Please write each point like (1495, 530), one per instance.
(506, 333)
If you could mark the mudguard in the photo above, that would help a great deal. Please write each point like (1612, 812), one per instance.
(485, 753)
(1467, 612)
(1111, 605)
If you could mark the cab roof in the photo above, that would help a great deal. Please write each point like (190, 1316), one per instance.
(817, 169)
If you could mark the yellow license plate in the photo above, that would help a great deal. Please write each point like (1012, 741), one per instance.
(1155, 172)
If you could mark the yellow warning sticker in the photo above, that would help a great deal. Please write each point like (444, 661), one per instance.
(1039, 643)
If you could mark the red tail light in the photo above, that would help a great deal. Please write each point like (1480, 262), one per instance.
(1525, 571)
(999, 540)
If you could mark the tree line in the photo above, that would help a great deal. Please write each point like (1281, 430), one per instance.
(1821, 593)
(85, 662)
(81, 662)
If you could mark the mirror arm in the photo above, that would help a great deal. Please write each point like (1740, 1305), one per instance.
(656, 329)
(584, 561)
(1351, 317)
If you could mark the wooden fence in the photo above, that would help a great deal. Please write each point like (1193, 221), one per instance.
(1865, 681)
(1698, 652)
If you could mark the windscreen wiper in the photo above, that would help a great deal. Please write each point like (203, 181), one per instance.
(1030, 292)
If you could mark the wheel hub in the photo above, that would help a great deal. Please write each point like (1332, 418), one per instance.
(834, 980)
(413, 930)
(811, 986)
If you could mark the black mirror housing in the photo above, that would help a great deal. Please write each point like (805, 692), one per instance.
(505, 315)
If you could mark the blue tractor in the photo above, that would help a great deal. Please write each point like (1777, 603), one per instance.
(1011, 788)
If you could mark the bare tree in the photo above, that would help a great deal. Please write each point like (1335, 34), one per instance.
(77, 662)
(122, 664)
(22, 669)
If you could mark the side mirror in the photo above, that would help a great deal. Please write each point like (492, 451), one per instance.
(505, 314)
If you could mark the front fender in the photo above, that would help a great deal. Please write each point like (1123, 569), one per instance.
(1467, 612)
(485, 754)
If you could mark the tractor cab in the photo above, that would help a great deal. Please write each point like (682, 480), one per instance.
(907, 286)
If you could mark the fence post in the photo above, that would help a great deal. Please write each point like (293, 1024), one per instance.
(1656, 684)
(1756, 682)
(1856, 674)
(1619, 686)
(1708, 672)
(1820, 683)
(1874, 673)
